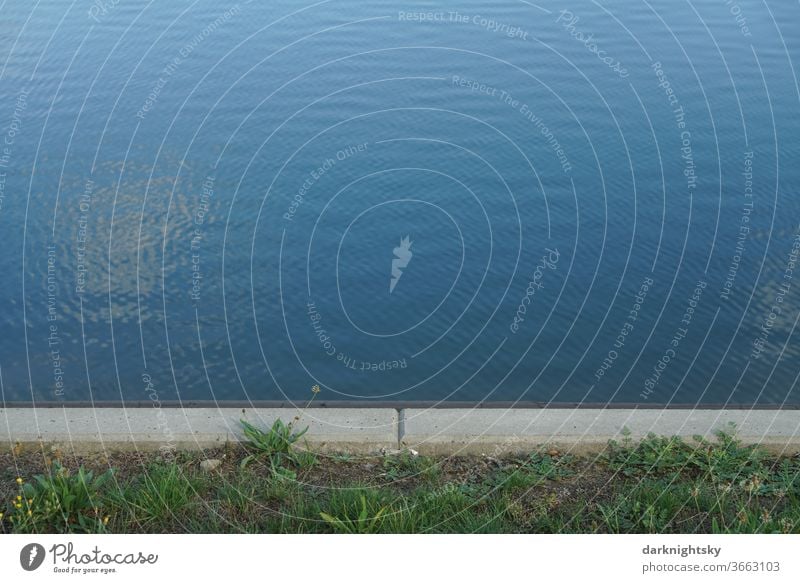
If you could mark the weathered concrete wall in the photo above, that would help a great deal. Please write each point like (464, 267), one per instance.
(587, 430)
(365, 430)
(99, 429)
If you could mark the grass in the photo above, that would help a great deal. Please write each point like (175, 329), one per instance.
(356, 511)
(658, 485)
(161, 494)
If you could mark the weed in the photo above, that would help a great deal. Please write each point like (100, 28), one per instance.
(550, 467)
(60, 501)
(275, 445)
(724, 461)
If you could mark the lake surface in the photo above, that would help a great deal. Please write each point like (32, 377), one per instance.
(587, 202)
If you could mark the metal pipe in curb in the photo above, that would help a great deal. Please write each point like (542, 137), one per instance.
(370, 430)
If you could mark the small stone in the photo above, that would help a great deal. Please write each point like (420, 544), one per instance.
(209, 465)
(552, 452)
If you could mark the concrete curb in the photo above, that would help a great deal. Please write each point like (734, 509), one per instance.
(587, 430)
(84, 430)
(432, 431)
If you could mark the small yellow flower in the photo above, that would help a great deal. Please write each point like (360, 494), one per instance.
(30, 500)
(17, 505)
(19, 498)
(105, 520)
(19, 480)
(1, 515)
(315, 389)
(30, 513)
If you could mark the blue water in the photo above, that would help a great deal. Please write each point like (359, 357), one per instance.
(600, 201)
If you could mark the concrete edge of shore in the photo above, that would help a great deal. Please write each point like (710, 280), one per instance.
(367, 431)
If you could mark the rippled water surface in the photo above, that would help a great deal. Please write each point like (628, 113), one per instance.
(557, 202)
